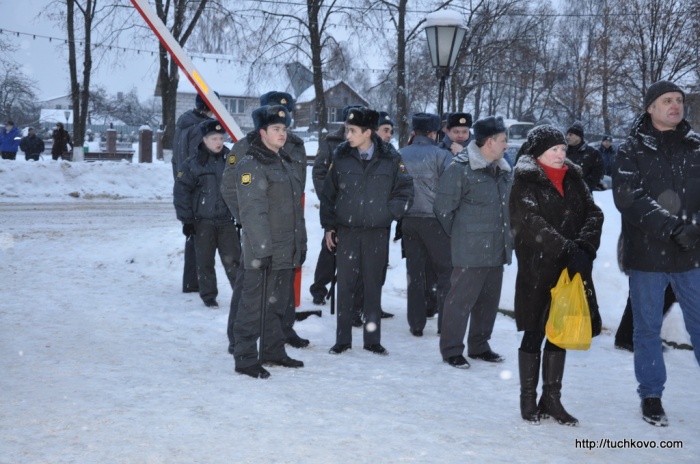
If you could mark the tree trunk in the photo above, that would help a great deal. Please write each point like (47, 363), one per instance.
(402, 109)
(313, 7)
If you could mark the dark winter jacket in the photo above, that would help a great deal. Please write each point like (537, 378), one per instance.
(656, 187)
(471, 206)
(326, 148)
(32, 145)
(548, 230)
(9, 140)
(61, 141)
(608, 155)
(197, 191)
(426, 163)
(187, 136)
(590, 161)
(268, 196)
(358, 197)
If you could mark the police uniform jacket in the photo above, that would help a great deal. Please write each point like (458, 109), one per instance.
(326, 148)
(187, 136)
(32, 145)
(656, 187)
(197, 190)
(426, 163)
(472, 206)
(548, 229)
(269, 207)
(358, 197)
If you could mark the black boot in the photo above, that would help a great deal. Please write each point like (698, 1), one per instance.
(529, 366)
(550, 402)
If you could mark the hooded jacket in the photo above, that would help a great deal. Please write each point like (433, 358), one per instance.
(548, 229)
(358, 197)
(471, 204)
(656, 187)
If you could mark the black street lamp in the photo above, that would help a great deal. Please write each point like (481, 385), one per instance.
(445, 34)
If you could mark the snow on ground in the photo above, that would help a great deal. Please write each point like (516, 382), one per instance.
(103, 359)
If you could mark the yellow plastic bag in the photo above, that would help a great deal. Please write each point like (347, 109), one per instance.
(569, 322)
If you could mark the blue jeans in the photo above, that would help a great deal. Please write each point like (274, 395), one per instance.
(647, 294)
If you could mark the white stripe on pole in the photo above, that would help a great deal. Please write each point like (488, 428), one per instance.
(186, 65)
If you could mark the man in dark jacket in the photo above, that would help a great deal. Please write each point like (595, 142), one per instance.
(656, 187)
(424, 240)
(587, 157)
(294, 147)
(472, 205)
(61, 143)
(32, 146)
(185, 142)
(203, 212)
(268, 206)
(10, 138)
(367, 187)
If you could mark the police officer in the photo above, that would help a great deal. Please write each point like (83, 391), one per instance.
(457, 134)
(424, 239)
(185, 142)
(203, 212)
(294, 147)
(386, 127)
(367, 187)
(268, 195)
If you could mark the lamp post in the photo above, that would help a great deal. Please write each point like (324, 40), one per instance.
(445, 35)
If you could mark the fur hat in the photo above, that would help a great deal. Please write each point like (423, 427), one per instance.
(384, 118)
(200, 104)
(542, 138)
(347, 109)
(426, 122)
(576, 129)
(278, 98)
(659, 88)
(459, 119)
(209, 126)
(488, 127)
(363, 117)
(268, 115)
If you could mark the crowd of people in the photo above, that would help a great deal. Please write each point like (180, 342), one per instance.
(32, 145)
(461, 211)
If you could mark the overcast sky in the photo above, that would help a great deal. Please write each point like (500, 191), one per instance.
(47, 62)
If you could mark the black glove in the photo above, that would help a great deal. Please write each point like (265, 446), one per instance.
(265, 263)
(188, 230)
(686, 236)
(303, 257)
(581, 263)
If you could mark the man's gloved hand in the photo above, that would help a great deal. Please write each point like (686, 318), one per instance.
(188, 230)
(580, 262)
(265, 263)
(686, 236)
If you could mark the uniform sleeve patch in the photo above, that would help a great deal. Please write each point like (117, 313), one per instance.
(245, 179)
(179, 174)
(231, 159)
(402, 167)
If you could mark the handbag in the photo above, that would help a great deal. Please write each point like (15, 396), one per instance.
(569, 322)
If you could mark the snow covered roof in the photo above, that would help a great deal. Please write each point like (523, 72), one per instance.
(309, 94)
(53, 116)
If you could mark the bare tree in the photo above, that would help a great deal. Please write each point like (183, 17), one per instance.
(17, 90)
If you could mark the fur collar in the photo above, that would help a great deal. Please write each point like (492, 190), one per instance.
(472, 155)
(528, 170)
(261, 153)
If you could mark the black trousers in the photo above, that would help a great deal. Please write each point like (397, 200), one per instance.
(189, 274)
(625, 331)
(426, 245)
(361, 256)
(324, 272)
(208, 239)
(247, 325)
(9, 155)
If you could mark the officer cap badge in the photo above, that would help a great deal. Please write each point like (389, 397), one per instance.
(218, 127)
(281, 114)
(462, 121)
(232, 159)
(283, 101)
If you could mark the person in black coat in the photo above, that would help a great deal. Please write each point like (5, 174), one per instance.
(32, 146)
(556, 225)
(584, 155)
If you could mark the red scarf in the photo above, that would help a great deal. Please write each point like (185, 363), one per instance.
(555, 175)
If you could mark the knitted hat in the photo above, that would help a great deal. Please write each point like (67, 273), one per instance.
(426, 122)
(384, 118)
(576, 129)
(268, 115)
(363, 117)
(210, 126)
(278, 98)
(200, 104)
(542, 138)
(607, 138)
(659, 88)
(488, 127)
(459, 119)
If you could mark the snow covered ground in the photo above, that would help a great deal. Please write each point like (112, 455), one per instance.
(103, 359)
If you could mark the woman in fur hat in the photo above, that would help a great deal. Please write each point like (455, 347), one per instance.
(555, 225)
